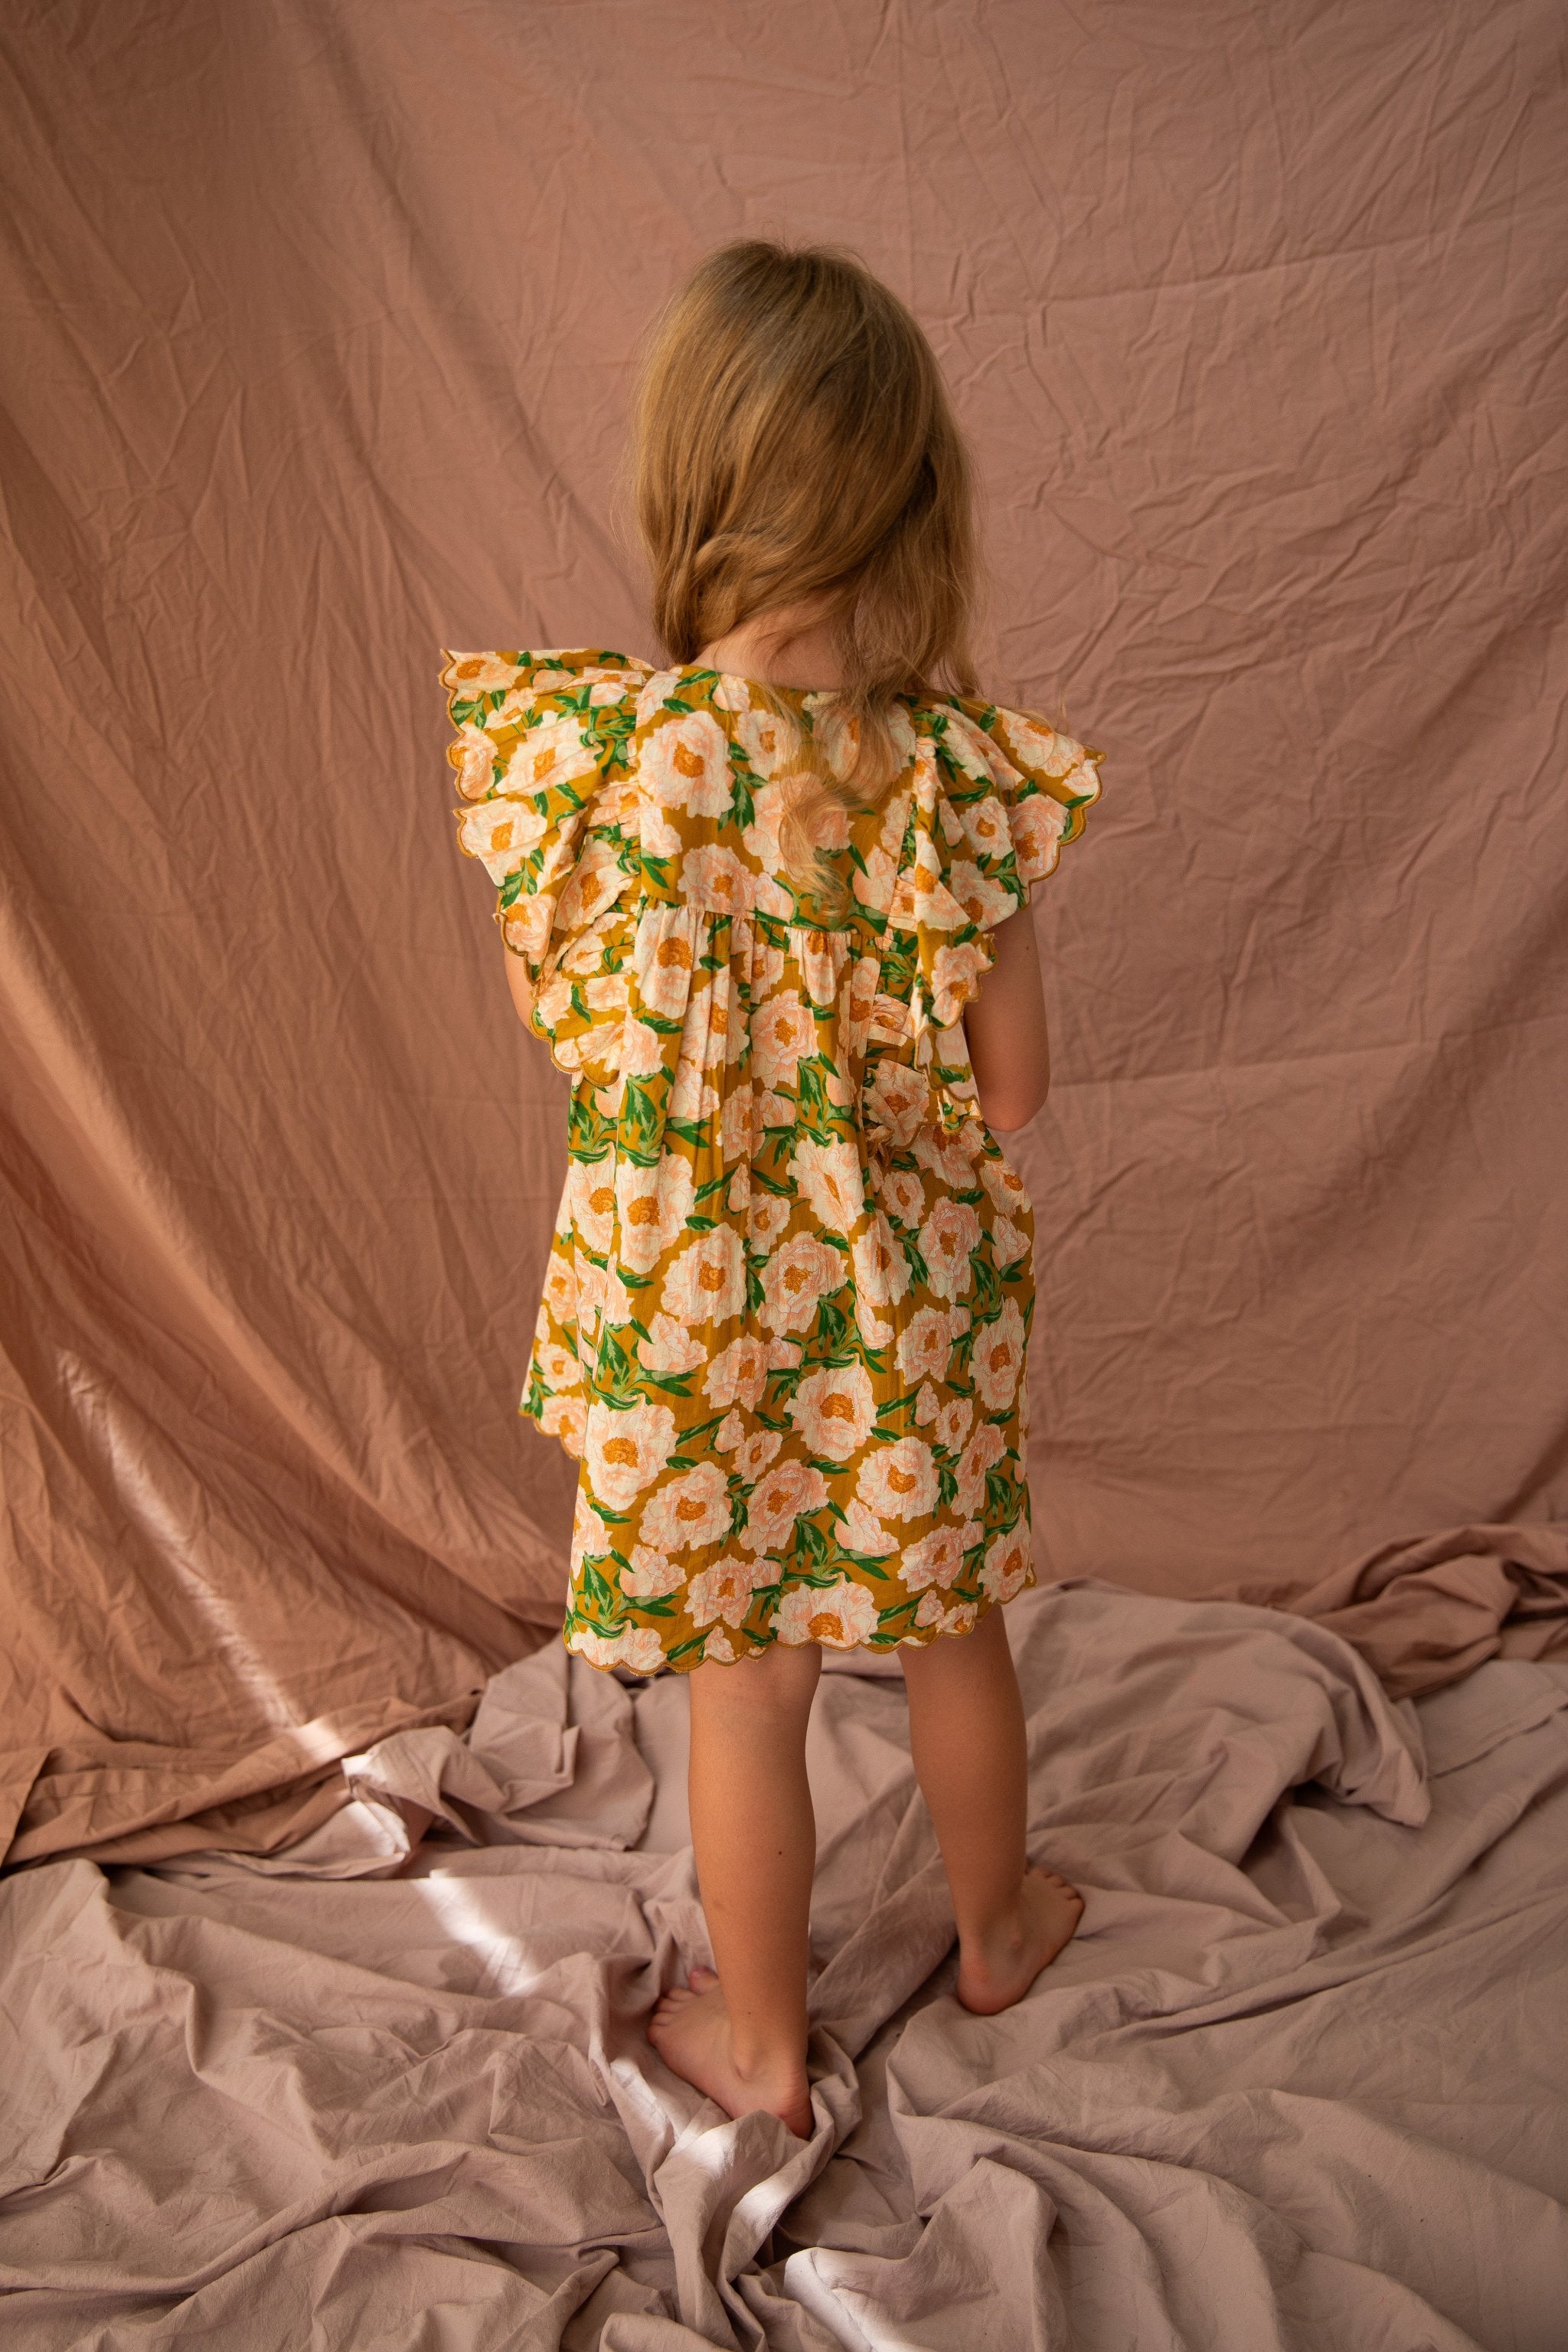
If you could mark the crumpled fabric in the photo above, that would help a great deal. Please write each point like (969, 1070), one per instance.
(1269, 2099)
(319, 338)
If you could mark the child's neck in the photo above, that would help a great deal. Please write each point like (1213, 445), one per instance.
(791, 647)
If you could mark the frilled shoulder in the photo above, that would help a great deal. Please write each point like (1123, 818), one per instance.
(1046, 779)
(990, 796)
(541, 758)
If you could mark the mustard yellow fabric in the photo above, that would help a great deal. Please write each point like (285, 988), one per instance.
(786, 1309)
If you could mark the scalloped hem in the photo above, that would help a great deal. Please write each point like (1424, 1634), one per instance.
(920, 1638)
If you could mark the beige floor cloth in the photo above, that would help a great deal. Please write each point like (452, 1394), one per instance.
(1300, 2082)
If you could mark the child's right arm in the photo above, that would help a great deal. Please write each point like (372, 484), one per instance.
(1005, 1025)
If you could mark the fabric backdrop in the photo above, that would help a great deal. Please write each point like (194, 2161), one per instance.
(319, 323)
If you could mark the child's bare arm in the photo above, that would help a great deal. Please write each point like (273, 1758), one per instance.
(521, 988)
(1006, 1026)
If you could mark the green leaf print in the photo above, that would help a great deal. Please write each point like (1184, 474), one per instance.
(616, 1370)
(988, 1289)
(702, 1428)
(892, 1405)
(639, 1117)
(810, 1544)
(589, 1135)
(832, 1323)
(1001, 1501)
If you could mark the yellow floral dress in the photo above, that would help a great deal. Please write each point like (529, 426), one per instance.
(788, 1299)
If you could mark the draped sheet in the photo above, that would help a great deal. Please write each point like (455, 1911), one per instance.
(1298, 2080)
(321, 320)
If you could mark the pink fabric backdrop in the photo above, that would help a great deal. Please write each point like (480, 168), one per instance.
(321, 320)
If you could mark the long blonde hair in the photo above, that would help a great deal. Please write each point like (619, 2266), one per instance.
(794, 443)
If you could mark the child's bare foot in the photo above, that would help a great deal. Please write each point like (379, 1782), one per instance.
(999, 1971)
(689, 2028)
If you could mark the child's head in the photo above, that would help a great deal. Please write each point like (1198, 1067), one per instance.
(796, 445)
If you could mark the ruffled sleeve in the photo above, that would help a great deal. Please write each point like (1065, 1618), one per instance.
(540, 755)
(996, 794)
(1046, 779)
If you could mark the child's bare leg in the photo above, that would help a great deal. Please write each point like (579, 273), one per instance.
(741, 2035)
(966, 1731)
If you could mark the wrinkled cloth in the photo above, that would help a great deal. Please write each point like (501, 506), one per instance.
(321, 320)
(1425, 1612)
(788, 1300)
(1272, 2097)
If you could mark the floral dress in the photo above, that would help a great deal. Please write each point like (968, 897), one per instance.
(788, 1299)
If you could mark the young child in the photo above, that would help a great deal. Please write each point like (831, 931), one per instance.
(766, 906)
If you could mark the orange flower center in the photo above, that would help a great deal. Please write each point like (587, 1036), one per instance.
(690, 1507)
(643, 1210)
(622, 1449)
(602, 1202)
(674, 954)
(823, 1628)
(710, 1277)
(901, 1481)
(687, 762)
(838, 1407)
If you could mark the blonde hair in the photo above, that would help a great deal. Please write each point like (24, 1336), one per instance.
(794, 444)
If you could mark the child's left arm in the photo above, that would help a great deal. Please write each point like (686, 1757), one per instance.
(1010, 1050)
(521, 987)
